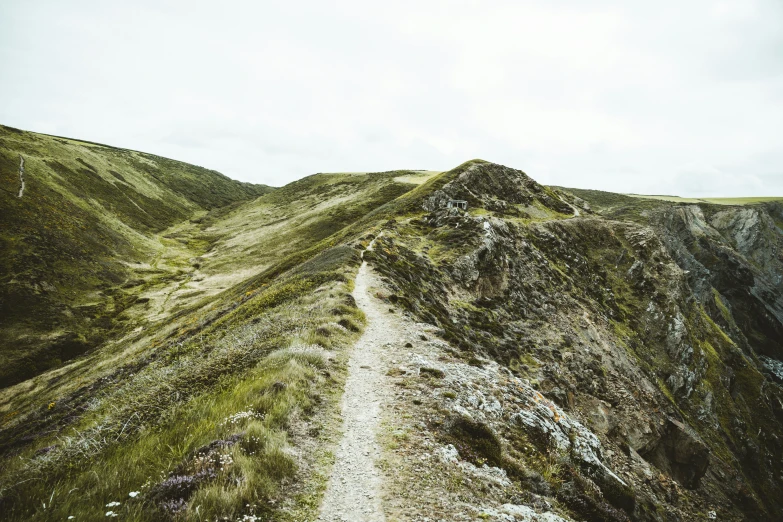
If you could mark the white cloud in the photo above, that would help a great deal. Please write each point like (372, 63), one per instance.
(623, 96)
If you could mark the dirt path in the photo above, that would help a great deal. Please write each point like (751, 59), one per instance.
(354, 489)
(401, 374)
(576, 210)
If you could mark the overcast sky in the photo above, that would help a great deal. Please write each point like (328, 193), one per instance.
(631, 96)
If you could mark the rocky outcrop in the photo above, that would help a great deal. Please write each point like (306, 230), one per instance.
(642, 336)
(498, 189)
(752, 232)
(733, 266)
(680, 452)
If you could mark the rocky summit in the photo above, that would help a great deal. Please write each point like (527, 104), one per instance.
(403, 345)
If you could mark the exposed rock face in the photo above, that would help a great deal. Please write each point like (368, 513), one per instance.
(496, 188)
(752, 233)
(679, 452)
(734, 269)
(642, 333)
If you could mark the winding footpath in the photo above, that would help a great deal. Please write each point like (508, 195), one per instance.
(576, 210)
(353, 493)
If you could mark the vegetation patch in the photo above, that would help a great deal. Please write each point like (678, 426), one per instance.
(475, 441)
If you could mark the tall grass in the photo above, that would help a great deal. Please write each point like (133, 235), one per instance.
(230, 396)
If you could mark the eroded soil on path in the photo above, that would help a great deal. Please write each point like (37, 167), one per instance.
(354, 489)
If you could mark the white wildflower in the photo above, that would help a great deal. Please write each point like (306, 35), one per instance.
(112, 504)
(133, 494)
(242, 415)
(111, 514)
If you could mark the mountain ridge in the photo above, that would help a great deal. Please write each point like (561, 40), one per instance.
(558, 354)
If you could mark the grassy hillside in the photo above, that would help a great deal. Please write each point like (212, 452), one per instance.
(231, 350)
(88, 215)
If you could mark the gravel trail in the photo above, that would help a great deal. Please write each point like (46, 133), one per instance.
(354, 489)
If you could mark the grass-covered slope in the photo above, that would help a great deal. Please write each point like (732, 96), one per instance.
(87, 214)
(294, 217)
(217, 397)
(203, 419)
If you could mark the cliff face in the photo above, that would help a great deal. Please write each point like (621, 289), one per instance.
(733, 262)
(656, 333)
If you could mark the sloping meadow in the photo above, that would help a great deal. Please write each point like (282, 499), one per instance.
(88, 214)
(211, 422)
(222, 407)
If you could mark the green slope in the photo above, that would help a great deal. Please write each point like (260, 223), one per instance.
(217, 309)
(87, 215)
